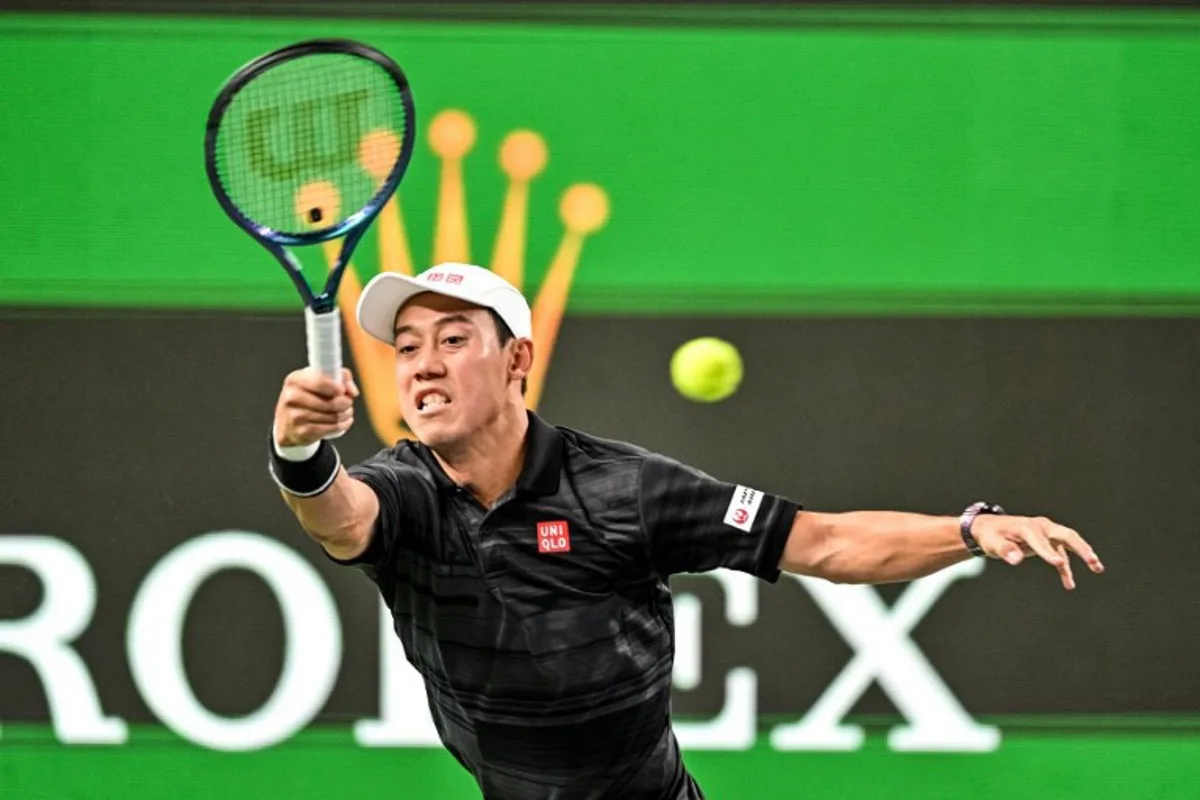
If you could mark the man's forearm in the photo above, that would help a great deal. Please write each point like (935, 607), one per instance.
(336, 510)
(872, 546)
(341, 517)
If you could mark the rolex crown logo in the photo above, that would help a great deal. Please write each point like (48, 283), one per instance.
(583, 208)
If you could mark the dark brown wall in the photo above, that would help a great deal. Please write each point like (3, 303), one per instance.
(128, 434)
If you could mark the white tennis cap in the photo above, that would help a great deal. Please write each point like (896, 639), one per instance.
(387, 292)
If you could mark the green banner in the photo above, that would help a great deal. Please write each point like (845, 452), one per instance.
(796, 162)
(324, 763)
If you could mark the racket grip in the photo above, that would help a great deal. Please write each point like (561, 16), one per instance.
(324, 333)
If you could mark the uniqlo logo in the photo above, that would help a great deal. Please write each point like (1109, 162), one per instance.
(452, 277)
(554, 537)
(436, 276)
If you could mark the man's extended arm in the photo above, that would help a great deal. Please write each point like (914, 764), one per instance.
(336, 510)
(890, 546)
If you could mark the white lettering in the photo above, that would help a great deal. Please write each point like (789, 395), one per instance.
(880, 637)
(312, 653)
(734, 727)
(43, 638)
(405, 720)
(685, 671)
(883, 652)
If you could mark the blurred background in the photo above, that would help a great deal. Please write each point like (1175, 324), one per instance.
(955, 244)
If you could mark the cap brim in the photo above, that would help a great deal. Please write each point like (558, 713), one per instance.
(385, 294)
(381, 300)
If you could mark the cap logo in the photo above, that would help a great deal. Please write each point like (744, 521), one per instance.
(453, 277)
(434, 276)
(554, 537)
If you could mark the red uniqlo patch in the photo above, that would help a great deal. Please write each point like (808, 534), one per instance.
(453, 277)
(554, 537)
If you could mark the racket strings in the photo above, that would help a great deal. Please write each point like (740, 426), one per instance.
(288, 146)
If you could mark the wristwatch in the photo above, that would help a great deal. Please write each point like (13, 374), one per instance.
(968, 518)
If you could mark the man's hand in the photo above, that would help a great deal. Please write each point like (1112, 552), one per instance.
(312, 406)
(1013, 538)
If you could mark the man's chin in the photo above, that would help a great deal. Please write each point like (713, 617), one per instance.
(434, 433)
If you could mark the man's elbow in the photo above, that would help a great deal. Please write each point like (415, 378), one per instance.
(343, 542)
(345, 548)
(342, 521)
(813, 548)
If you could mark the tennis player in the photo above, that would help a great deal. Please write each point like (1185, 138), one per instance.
(526, 565)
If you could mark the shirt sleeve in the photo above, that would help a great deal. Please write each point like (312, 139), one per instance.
(401, 500)
(697, 523)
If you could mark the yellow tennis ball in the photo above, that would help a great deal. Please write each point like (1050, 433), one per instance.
(706, 370)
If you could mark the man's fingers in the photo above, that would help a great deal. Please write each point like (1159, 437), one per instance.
(1040, 544)
(313, 406)
(310, 417)
(348, 383)
(313, 433)
(311, 428)
(315, 382)
(1064, 570)
(301, 399)
(1053, 543)
(1079, 546)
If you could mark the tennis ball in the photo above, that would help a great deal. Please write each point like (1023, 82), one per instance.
(706, 370)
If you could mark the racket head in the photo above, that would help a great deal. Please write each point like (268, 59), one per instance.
(306, 143)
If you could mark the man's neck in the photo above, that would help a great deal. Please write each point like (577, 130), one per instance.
(490, 463)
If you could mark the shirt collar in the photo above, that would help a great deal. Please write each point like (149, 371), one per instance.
(540, 471)
(543, 458)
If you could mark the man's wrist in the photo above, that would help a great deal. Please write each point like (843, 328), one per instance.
(304, 477)
(299, 452)
(967, 519)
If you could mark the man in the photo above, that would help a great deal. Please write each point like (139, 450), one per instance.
(526, 566)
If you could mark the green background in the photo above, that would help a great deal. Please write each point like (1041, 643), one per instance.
(802, 161)
(325, 763)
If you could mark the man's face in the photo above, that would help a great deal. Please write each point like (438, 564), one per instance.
(451, 372)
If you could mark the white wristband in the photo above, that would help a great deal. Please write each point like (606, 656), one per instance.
(299, 452)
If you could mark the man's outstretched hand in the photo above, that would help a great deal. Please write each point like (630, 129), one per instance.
(1012, 538)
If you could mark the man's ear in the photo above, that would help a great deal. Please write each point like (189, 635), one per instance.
(521, 360)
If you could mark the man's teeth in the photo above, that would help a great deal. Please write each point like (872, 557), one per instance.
(433, 400)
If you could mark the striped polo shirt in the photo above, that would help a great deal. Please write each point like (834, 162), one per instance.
(543, 626)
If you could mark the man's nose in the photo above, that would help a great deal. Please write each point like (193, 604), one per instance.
(430, 363)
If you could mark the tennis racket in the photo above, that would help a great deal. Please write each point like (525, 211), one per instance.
(306, 144)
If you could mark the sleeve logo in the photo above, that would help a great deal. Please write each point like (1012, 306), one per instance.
(743, 508)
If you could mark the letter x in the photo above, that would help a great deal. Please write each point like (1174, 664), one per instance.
(884, 652)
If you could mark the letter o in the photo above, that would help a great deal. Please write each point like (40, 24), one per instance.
(312, 653)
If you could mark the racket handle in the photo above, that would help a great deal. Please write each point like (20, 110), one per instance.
(324, 333)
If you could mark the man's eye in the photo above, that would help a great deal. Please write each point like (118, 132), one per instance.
(454, 340)
(406, 349)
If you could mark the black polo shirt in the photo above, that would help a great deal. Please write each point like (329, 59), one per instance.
(543, 626)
